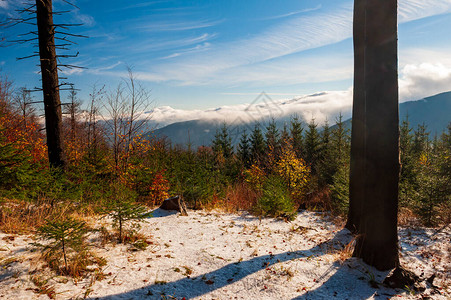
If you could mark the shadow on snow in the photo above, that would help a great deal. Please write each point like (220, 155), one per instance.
(197, 286)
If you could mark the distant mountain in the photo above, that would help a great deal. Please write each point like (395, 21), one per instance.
(434, 112)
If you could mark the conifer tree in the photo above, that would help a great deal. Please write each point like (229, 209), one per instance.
(272, 136)
(222, 144)
(312, 146)
(257, 144)
(244, 150)
(327, 163)
(420, 140)
(407, 175)
(341, 139)
(285, 135)
(296, 139)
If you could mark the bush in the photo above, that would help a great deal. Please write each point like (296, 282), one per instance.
(275, 200)
(66, 246)
(340, 191)
(126, 214)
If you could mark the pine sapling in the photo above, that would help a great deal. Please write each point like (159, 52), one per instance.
(125, 212)
(64, 236)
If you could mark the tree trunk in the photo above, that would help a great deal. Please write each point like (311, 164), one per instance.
(377, 243)
(50, 86)
(356, 180)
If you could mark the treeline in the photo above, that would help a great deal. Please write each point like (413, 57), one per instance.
(270, 172)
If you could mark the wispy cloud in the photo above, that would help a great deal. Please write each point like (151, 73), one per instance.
(410, 10)
(288, 37)
(178, 26)
(4, 4)
(302, 11)
(201, 47)
(141, 5)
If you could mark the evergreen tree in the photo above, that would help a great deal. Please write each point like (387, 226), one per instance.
(312, 146)
(327, 163)
(284, 136)
(272, 136)
(296, 139)
(222, 144)
(407, 176)
(341, 139)
(257, 144)
(420, 140)
(244, 150)
(340, 159)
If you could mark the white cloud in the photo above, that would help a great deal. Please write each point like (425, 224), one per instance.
(178, 26)
(251, 59)
(302, 11)
(4, 4)
(409, 10)
(84, 19)
(320, 106)
(423, 80)
(424, 72)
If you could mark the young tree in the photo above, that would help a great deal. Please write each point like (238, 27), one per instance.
(272, 136)
(222, 144)
(377, 200)
(296, 139)
(244, 150)
(312, 146)
(257, 144)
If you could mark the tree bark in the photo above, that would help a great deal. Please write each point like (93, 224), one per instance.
(377, 242)
(356, 180)
(50, 85)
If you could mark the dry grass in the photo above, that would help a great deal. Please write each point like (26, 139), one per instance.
(43, 287)
(319, 200)
(406, 217)
(239, 197)
(345, 253)
(17, 216)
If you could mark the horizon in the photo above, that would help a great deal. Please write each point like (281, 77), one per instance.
(198, 55)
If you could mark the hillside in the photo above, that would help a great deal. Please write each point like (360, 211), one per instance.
(433, 111)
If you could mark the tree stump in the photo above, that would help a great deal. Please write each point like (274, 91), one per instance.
(175, 203)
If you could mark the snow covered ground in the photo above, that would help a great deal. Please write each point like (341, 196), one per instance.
(212, 255)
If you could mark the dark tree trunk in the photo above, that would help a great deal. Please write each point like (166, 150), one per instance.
(377, 242)
(50, 86)
(356, 180)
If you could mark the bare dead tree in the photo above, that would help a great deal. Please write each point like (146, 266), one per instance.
(126, 117)
(72, 108)
(40, 13)
(24, 103)
(95, 97)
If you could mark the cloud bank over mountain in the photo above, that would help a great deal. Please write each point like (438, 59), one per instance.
(416, 82)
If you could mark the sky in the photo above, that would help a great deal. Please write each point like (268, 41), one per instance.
(197, 55)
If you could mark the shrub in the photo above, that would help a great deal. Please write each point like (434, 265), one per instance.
(275, 200)
(66, 246)
(340, 191)
(126, 214)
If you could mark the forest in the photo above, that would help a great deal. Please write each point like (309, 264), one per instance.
(306, 211)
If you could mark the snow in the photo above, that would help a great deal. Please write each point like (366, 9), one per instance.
(214, 255)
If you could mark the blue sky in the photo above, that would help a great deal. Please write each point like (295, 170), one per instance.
(202, 54)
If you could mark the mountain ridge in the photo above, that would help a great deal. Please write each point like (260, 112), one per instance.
(434, 111)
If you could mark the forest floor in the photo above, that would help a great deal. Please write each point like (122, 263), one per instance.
(214, 255)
